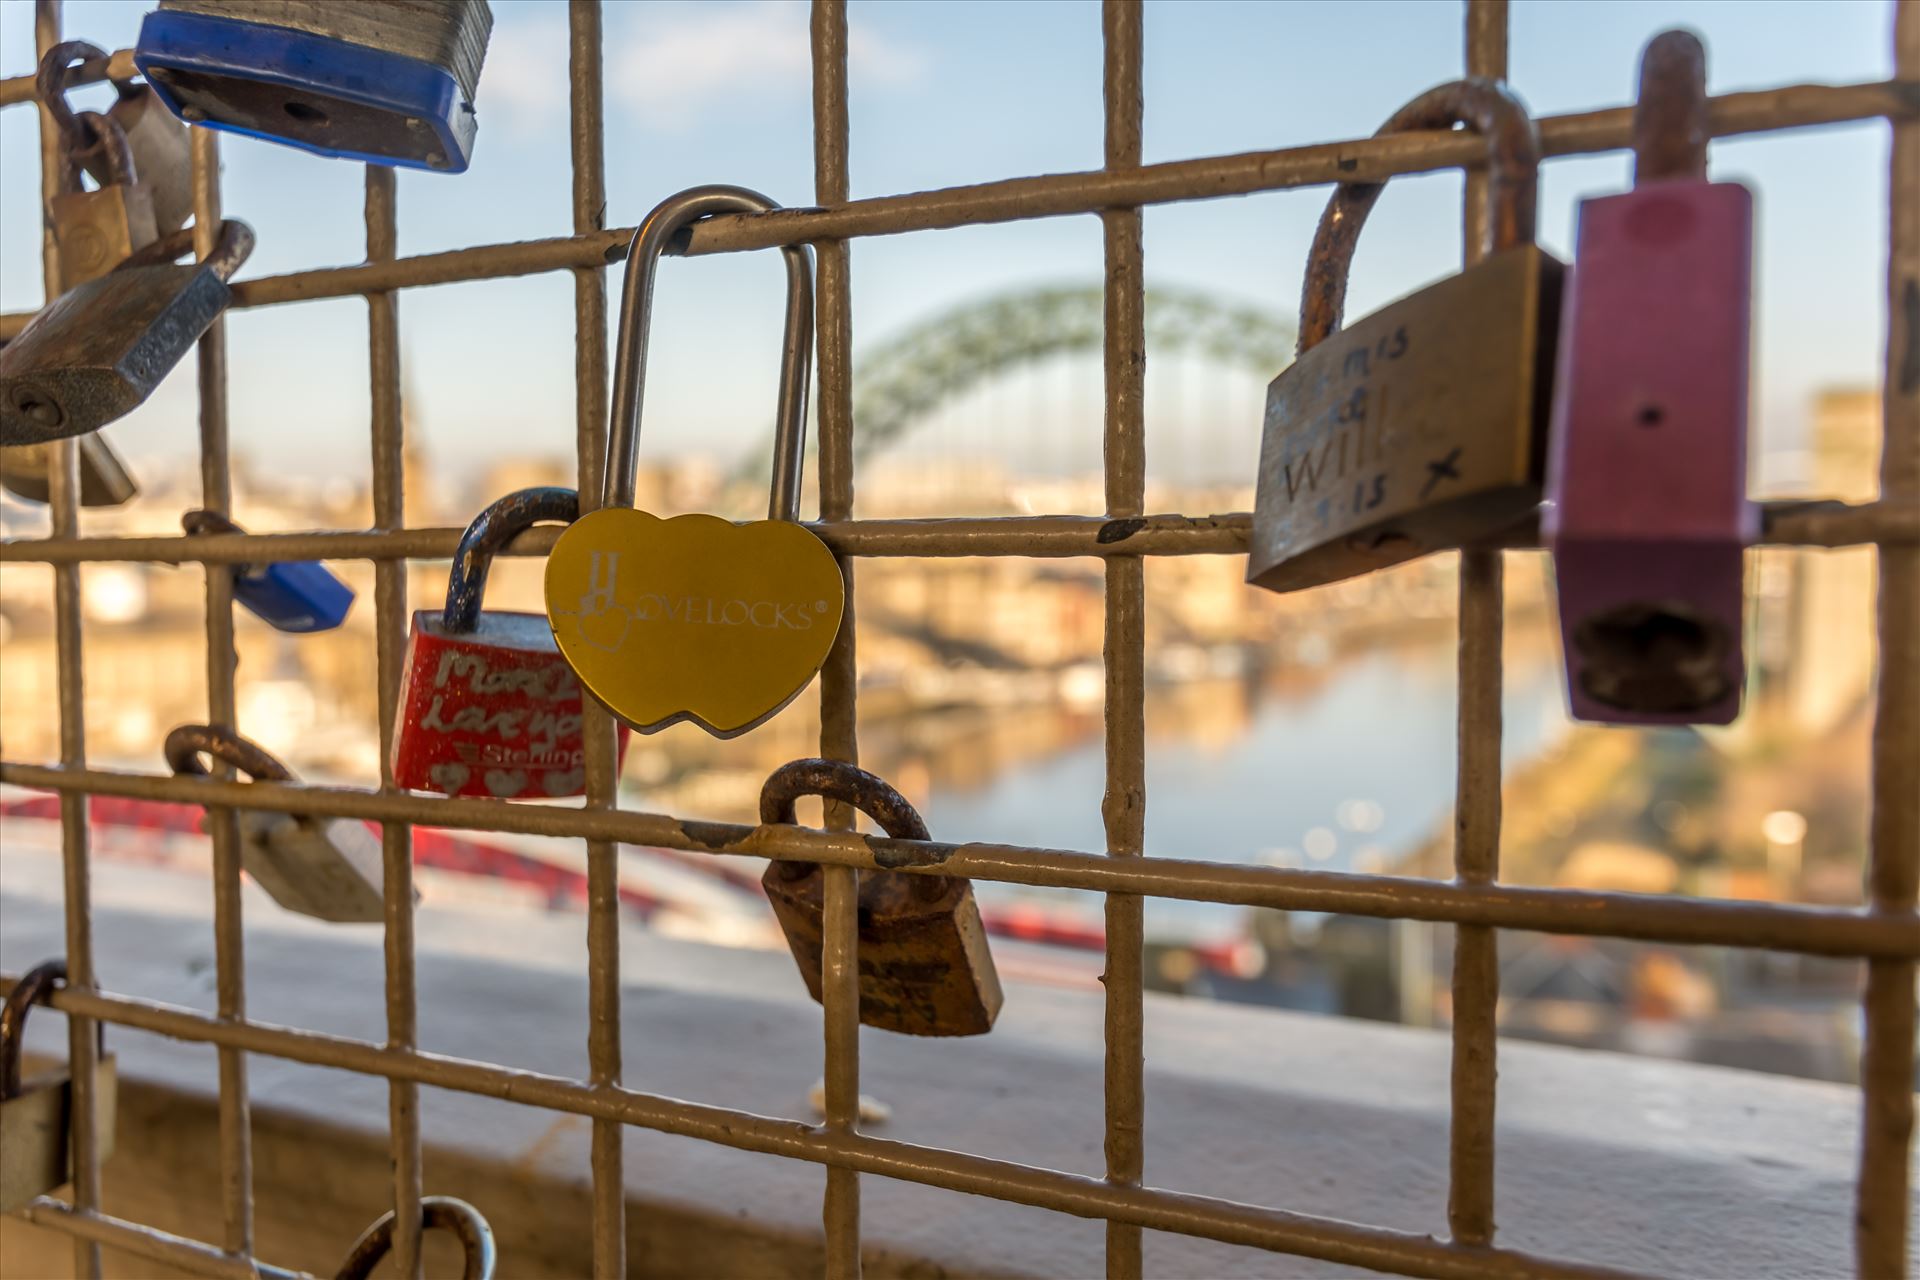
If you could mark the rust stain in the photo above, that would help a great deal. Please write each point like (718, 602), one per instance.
(1120, 530)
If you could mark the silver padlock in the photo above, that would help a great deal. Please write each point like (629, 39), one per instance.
(96, 353)
(99, 229)
(105, 480)
(36, 1115)
(327, 868)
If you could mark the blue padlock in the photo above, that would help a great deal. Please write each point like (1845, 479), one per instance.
(298, 596)
(388, 84)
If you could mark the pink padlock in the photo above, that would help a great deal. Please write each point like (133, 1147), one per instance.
(1647, 513)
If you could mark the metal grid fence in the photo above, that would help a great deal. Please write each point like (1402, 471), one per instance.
(1886, 933)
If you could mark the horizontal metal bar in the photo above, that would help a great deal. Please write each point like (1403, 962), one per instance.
(151, 1243)
(1306, 1235)
(115, 66)
(1645, 917)
(1057, 195)
(1797, 523)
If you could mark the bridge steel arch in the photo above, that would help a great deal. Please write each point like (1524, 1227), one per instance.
(900, 382)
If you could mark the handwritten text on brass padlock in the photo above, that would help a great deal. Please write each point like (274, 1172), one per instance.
(1421, 427)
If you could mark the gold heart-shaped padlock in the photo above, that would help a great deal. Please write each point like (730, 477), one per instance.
(696, 618)
(693, 618)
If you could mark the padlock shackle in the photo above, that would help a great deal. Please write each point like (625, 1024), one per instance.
(34, 987)
(487, 536)
(443, 1212)
(50, 86)
(185, 744)
(659, 234)
(230, 250)
(1486, 107)
(1671, 122)
(848, 784)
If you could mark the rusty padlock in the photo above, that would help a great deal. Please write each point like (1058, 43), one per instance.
(1647, 513)
(105, 481)
(925, 969)
(442, 1212)
(36, 1115)
(327, 868)
(488, 707)
(1423, 426)
(96, 230)
(96, 353)
(161, 148)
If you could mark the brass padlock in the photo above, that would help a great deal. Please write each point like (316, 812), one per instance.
(1423, 426)
(36, 1116)
(925, 969)
(327, 868)
(94, 230)
(97, 352)
(105, 480)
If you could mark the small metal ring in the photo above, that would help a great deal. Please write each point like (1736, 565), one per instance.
(491, 531)
(186, 743)
(662, 232)
(1486, 107)
(443, 1212)
(33, 988)
(50, 86)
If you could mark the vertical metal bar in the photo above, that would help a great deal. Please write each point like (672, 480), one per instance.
(63, 499)
(1886, 1059)
(839, 960)
(229, 939)
(390, 640)
(1476, 850)
(588, 131)
(1124, 805)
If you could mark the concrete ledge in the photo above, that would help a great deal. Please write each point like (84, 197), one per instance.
(1668, 1168)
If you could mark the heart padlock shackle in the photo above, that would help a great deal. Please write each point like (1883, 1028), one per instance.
(390, 83)
(925, 968)
(161, 146)
(488, 707)
(36, 1115)
(1422, 426)
(94, 231)
(696, 618)
(97, 352)
(295, 596)
(1647, 512)
(327, 868)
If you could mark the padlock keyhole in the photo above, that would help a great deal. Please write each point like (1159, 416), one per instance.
(306, 113)
(1645, 657)
(1650, 415)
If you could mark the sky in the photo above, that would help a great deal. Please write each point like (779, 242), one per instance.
(945, 94)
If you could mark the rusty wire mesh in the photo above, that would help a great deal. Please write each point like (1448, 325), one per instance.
(1886, 934)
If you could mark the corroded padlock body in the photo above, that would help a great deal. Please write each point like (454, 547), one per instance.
(96, 352)
(1417, 428)
(924, 965)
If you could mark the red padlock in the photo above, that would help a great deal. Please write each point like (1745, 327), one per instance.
(1647, 512)
(488, 707)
